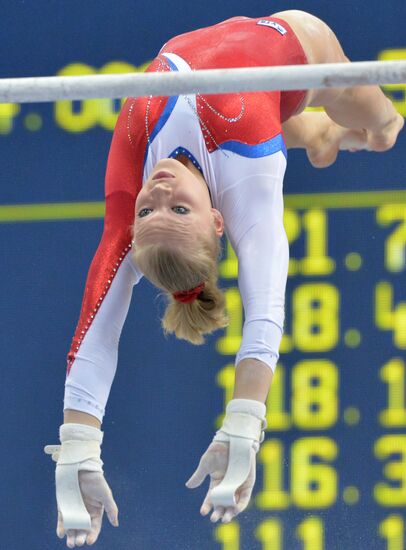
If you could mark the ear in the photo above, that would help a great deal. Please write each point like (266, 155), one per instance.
(218, 222)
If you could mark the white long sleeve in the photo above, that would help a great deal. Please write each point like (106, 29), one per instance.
(253, 211)
(88, 385)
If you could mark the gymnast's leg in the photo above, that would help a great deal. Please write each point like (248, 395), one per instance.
(362, 107)
(321, 137)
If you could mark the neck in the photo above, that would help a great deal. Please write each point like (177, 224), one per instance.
(195, 171)
(190, 166)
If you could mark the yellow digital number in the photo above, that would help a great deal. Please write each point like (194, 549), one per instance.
(293, 228)
(286, 343)
(225, 379)
(395, 244)
(389, 317)
(392, 530)
(65, 115)
(316, 261)
(90, 112)
(311, 532)
(229, 343)
(313, 485)
(314, 226)
(277, 417)
(314, 394)
(393, 373)
(396, 92)
(269, 534)
(228, 268)
(228, 535)
(7, 112)
(108, 111)
(315, 324)
(395, 470)
(272, 496)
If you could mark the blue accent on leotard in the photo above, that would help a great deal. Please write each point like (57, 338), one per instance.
(183, 151)
(171, 64)
(164, 117)
(169, 107)
(269, 147)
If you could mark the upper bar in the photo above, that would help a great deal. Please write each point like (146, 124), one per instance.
(214, 81)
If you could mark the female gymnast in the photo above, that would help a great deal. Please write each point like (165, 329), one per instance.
(182, 170)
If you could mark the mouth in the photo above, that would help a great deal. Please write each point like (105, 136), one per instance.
(162, 174)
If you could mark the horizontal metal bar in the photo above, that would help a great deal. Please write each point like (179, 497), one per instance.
(214, 81)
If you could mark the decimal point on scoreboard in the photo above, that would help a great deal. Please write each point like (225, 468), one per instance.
(351, 416)
(353, 261)
(352, 338)
(351, 495)
(33, 122)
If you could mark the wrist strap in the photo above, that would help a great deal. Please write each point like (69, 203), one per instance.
(80, 443)
(80, 432)
(248, 406)
(75, 452)
(245, 418)
(242, 425)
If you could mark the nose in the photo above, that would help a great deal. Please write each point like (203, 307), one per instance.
(161, 193)
(161, 189)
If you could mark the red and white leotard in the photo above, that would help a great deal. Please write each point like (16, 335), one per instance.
(236, 141)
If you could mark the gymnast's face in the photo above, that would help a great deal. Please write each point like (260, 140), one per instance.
(174, 206)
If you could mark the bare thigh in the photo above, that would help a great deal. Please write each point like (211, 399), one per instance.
(320, 45)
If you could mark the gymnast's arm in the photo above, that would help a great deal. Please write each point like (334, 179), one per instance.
(253, 212)
(92, 359)
(254, 219)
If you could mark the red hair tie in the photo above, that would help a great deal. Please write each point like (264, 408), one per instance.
(188, 296)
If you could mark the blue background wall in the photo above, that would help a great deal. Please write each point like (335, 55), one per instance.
(167, 395)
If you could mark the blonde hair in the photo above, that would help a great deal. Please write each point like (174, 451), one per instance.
(176, 268)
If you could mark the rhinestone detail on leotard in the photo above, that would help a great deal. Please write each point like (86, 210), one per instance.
(100, 300)
(184, 152)
(205, 129)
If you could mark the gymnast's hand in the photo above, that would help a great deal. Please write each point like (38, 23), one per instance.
(214, 463)
(82, 492)
(97, 498)
(230, 460)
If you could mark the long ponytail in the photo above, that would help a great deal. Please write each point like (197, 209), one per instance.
(175, 269)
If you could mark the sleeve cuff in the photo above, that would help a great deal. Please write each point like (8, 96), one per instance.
(81, 404)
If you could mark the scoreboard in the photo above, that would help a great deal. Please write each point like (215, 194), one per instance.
(332, 412)
(331, 472)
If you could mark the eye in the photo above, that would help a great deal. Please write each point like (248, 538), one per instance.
(144, 212)
(180, 209)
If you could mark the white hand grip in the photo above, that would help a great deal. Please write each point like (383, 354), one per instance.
(239, 464)
(69, 498)
(53, 450)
